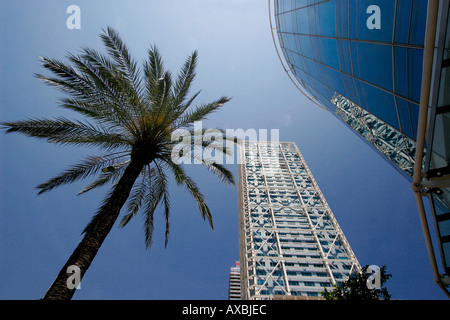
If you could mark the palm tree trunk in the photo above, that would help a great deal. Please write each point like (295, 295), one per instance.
(85, 253)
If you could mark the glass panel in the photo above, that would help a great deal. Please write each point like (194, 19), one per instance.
(401, 74)
(300, 3)
(326, 24)
(381, 104)
(441, 146)
(302, 21)
(405, 120)
(353, 22)
(306, 48)
(402, 21)
(335, 80)
(444, 93)
(415, 65)
(311, 20)
(351, 89)
(315, 48)
(345, 57)
(446, 250)
(444, 228)
(414, 112)
(447, 43)
(375, 62)
(418, 22)
(311, 67)
(361, 94)
(342, 19)
(328, 52)
(355, 61)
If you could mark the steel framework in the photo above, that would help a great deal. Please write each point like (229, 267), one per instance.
(290, 241)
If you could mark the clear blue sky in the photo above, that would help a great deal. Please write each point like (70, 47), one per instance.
(373, 203)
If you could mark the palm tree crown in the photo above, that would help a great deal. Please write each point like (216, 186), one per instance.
(131, 114)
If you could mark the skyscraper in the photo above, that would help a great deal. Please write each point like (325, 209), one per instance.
(382, 68)
(234, 283)
(290, 241)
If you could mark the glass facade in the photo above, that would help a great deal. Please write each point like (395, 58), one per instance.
(363, 61)
(363, 53)
(290, 242)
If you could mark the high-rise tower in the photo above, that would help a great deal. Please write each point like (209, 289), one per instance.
(290, 241)
(234, 283)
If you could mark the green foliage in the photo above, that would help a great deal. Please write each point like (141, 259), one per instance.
(356, 289)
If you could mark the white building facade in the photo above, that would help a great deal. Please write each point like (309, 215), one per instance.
(290, 242)
(234, 283)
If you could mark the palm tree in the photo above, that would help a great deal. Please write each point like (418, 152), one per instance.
(131, 115)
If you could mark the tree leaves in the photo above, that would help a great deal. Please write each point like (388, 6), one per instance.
(356, 289)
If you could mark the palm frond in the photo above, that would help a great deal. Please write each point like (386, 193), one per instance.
(81, 86)
(109, 174)
(137, 195)
(67, 80)
(119, 51)
(158, 192)
(220, 171)
(185, 78)
(184, 106)
(200, 113)
(154, 72)
(112, 91)
(151, 190)
(64, 131)
(89, 166)
(183, 179)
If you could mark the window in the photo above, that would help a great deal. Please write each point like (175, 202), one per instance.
(418, 22)
(375, 62)
(326, 24)
(401, 75)
(415, 61)
(328, 52)
(381, 104)
(344, 55)
(402, 21)
(405, 118)
(313, 294)
(325, 284)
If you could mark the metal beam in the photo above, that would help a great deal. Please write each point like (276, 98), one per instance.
(417, 185)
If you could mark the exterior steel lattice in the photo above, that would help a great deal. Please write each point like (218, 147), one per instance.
(290, 241)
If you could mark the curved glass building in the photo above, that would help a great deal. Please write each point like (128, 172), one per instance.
(376, 64)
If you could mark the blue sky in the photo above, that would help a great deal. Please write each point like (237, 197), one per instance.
(373, 203)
